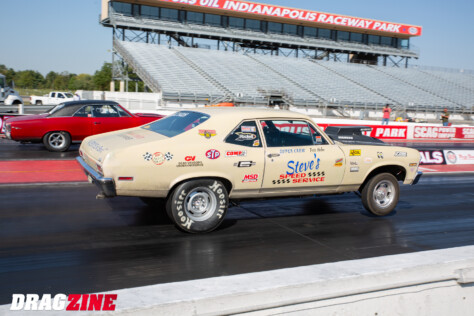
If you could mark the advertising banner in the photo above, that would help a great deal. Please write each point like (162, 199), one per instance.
(303, 15)
(459, 157)
(465, 132)
(379, 131)
(432, 157)
(434, 132)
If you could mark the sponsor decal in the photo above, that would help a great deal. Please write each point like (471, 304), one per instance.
(96, 146)
(236, 153)
(158, 159)
(190, 163)
(465, 132)
(400, 154)
(148, 157)
(304, 177)
(354, 163)
(245, 137)
(256, 143)
(207, 133)
(368, 160)
(299, 166)
(339, 162)
(459, 157)
(316, 150)
(354, 169)
(434, 132)
(213, 154)
(380, 155)
(319, 140)
(432, 157)
(131, 136)
(248, 129)
(250, 178)
(169, 156)
(292, 151)
(63, 302)
(190, 158)
(413, 30)
(355, 152)
(245, 164)
(413, 164)
(345, 137)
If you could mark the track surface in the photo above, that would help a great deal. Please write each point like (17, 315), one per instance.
(59, 239)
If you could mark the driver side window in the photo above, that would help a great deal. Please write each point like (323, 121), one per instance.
(290, 133)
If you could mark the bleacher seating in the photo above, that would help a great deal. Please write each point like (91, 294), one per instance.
(182, 70)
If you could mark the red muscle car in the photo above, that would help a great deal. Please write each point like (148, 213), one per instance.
(72, 122)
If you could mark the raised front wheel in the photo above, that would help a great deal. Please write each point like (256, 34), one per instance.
(380, 195)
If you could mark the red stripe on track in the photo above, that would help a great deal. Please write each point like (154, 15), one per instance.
(446, 168)
(40, 171)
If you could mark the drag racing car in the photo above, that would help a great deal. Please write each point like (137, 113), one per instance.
(72, 122)
(192, 163)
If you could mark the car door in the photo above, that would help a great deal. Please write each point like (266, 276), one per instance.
(244, 154)
(299, 158)
(80, 124)
(108, 118)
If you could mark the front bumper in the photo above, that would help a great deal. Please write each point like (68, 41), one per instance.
(417, 178)
(106, 185)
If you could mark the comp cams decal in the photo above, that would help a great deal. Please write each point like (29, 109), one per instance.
(235, 153)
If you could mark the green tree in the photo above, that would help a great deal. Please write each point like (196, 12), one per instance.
(29, 79)
(103, 77)
(81, 82)
(49, 80)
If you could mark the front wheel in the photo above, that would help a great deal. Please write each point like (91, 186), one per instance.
(380, 195)
(57, 141)
(198, 206)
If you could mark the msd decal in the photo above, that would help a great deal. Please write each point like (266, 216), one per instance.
(434, 132)
(213, 154)
(250, 178)
(61, 302)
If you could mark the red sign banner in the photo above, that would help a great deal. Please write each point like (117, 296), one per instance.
(434, 132)
(303, 15)
(465, 132)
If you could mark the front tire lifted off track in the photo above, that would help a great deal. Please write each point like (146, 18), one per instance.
(380, 195)
(198, 206)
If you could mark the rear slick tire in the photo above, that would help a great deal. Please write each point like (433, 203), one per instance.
(198, 206)
(380, 195)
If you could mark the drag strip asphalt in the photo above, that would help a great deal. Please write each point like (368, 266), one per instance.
(60, 239)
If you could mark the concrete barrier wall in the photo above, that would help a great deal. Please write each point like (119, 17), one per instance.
(430, 283)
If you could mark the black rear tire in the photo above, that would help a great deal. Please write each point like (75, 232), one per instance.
(57, 141)
(39, 102)
(198, 206)
(380, 195)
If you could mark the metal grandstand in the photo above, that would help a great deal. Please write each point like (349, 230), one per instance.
(200, 55)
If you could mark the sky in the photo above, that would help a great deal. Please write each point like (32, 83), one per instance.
(65, 35)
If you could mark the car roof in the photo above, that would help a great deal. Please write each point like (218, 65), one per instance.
(88, 102)
(248, 113)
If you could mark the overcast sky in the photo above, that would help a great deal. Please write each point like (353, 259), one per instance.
(65, 35)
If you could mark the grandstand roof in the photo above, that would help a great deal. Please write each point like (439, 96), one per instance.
(259, 11)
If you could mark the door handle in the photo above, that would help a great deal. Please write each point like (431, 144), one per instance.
(273, 155)
(96, 123)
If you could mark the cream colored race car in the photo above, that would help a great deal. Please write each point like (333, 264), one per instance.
(191, 163)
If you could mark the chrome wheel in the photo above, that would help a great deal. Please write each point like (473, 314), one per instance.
(384, 193)
(56, 140)
(200, 204)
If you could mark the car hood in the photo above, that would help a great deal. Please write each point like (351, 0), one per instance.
(26, 118)
(99, 146)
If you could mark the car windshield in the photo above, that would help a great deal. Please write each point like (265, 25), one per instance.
(177, 123)
(69, 95)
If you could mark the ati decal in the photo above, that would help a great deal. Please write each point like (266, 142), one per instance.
(213, 154)
(148, 157)
(236, 153)
(249, 129)
(256, 143)
(298, 166)
(292, 151)
(158, 159)
(304, 177)
(250, 178)
(400, 154)
(245, 136)
(190, 163)
(355, 152)
(207, 133)
(380, 155)
(245, 164)
(190, 158)
(169, 156)
(338, 162)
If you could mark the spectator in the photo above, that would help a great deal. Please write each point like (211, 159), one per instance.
(386, 114)
(445, 117)
(76, 97)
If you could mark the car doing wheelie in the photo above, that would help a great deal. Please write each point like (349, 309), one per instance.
(192, 163)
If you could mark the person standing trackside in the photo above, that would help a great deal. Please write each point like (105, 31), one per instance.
(445, 117)
(386, 114)
(76, 97)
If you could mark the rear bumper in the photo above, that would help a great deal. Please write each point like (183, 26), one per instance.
(106, 185)
(417, 178)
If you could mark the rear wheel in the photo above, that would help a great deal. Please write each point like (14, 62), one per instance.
(39, 102)
(380, 195)
(198, 206)
(57, 141)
